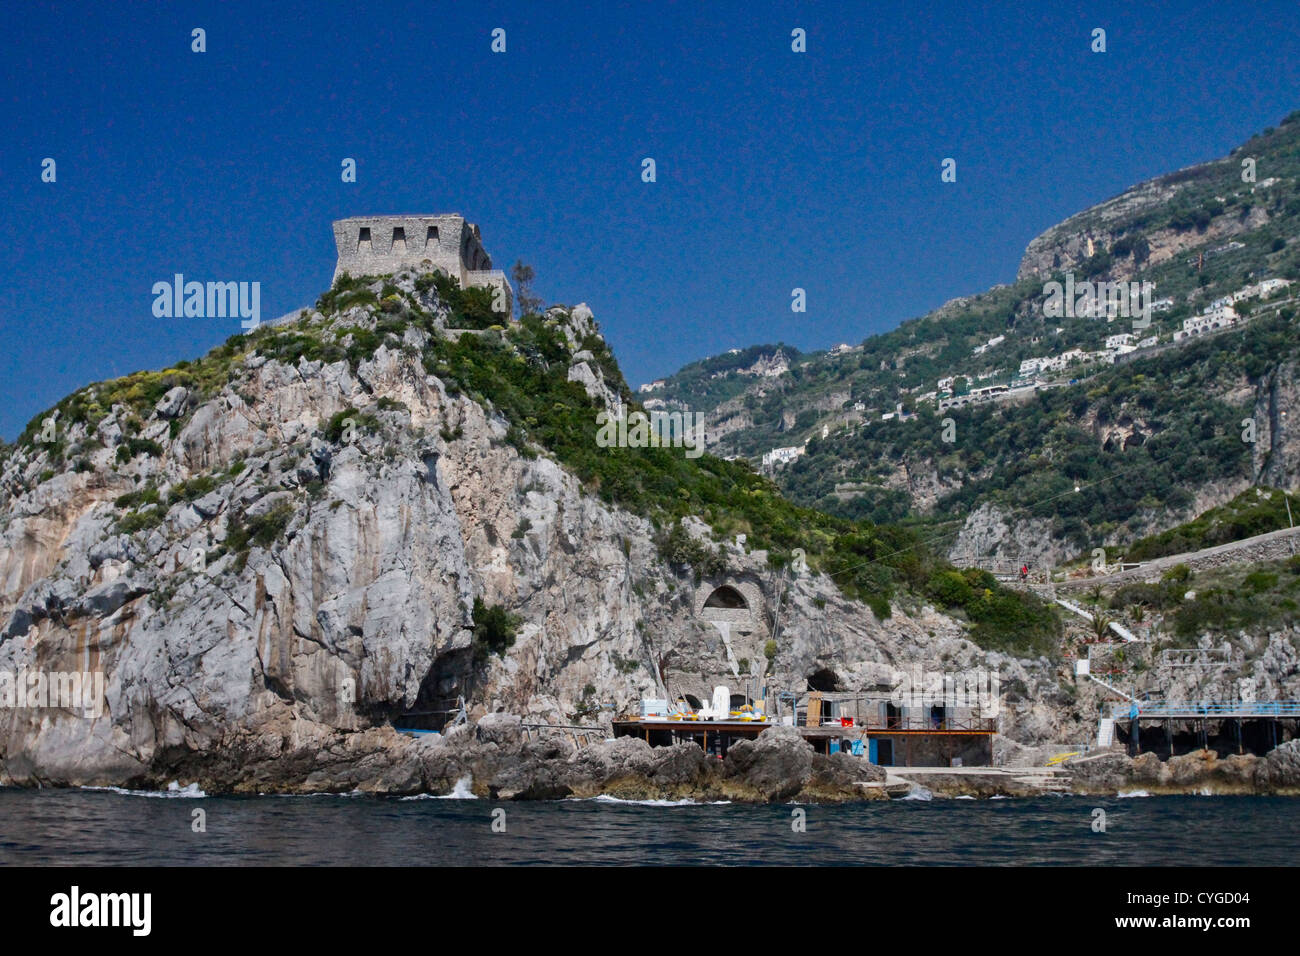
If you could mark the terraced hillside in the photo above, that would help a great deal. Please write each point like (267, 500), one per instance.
(1149, 436)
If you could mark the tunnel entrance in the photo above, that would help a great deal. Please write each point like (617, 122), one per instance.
(726, 597)
(448, 680)
(824, 680)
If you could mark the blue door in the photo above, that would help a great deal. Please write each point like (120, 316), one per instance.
(872, 751)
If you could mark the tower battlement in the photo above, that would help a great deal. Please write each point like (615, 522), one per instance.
(380, 245)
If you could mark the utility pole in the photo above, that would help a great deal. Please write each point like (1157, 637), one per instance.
(776, 624)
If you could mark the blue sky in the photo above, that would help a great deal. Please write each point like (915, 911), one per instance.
(776, 170)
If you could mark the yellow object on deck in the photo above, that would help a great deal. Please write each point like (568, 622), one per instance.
(1061, 758)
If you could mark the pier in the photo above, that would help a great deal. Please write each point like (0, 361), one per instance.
(1257, 726)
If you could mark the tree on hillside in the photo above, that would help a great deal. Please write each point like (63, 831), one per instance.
(523, 275)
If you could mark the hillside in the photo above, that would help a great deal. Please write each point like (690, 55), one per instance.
(1144, 420)
(345, 522)
(330, 526)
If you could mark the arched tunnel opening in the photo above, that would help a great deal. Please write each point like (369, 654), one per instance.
(824, 680)
(726, 597)
(450, 678)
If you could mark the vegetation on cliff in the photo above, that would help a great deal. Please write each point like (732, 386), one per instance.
(1255, 511)
(520, 371)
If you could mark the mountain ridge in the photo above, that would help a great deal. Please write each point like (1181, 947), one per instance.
(1198, 234)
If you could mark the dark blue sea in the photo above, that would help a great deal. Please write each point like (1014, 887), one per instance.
(96, 827)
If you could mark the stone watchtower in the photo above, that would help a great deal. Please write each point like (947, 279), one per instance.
(381, 245)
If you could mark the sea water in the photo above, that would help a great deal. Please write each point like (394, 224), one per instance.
(132, 827)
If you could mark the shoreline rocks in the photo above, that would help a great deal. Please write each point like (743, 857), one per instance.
(776, 767)
(495, 759)
(1276, 773)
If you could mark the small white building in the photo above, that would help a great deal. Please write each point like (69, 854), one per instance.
(975, 396)
(1218, 317)
(1031, 366)
(783, 456)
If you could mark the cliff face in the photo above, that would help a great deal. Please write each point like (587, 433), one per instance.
(294, 569)
(1276, 458)
(1143, 210)
(1067, 245)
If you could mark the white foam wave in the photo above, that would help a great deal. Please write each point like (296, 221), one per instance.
(461, 791)
(174, 789)
(606, 798)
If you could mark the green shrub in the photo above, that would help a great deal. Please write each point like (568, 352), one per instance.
(195, 487)
(137, 446)
(147, 495)
(334, 428)
(262, 530)
(494, 630)
(677, 546)
(134, 521)
(1258, 581)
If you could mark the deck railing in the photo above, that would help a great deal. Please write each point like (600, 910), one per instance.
(878, 722)
(1209, 708)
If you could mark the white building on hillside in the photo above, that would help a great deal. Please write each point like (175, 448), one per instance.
(1218, 317)
(783, 456)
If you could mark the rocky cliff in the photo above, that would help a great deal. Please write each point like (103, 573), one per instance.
(274, 554)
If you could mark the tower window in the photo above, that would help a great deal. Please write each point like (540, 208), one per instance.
(431, 237)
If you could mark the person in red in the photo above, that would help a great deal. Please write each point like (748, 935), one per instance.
(1024, 572)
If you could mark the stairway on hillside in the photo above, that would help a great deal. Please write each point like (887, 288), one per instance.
(1105, 732)
(1127, 635)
